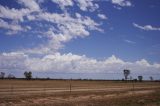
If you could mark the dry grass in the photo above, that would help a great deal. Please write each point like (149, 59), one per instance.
(84, 93)
(65, 84)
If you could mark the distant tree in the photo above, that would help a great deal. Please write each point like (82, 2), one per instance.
(122, 79)
(140, 78)
(47, 78)
(2, 75)
(135, 80)
(126, 73)
(28, 75)
(151, 78)
(11, 76)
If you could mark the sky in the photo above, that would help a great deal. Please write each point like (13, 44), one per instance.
(95, 39)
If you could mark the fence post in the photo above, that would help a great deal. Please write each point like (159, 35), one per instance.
(70, 87)
(133, 86)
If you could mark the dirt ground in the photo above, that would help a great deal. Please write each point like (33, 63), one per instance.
(78, 93)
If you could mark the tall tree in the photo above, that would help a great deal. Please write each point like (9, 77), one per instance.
(2, 75)
(28, 75)
(126, 72)
(140, 78)
(151, 78)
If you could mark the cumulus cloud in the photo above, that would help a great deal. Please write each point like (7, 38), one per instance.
(71, 63)
(32, 4)
(87, 5)
(102, 16)
(19, 14)
(146, 27)
(84, 5)
(61, 28)
(67, 28)
(14, 14)
(122, 3)
(63, 3)
(14, 27)
(12, 60)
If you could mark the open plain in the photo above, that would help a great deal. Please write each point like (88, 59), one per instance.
(78, 93)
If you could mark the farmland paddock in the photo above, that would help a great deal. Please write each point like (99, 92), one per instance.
(18, 92)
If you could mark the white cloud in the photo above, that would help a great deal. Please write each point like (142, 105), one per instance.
(129, 41)
(122, 3)
(31, 4)
(102, 16)
(67, 26)
(84, 5)
(146, 27)
(143, 62)
(31, 17)
(63, 3)
(113, 59)
(12, 60)
(14, 14)
(71, 63)
(87, 5)
(19, 14)
(14, 27)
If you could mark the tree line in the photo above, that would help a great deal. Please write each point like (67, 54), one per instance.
(127, 72)
(28, 76)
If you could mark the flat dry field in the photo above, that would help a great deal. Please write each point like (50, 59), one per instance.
(78, 93)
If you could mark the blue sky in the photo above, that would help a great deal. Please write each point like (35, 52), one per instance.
(74, 36)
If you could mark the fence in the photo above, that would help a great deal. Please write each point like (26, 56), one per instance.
(51, 87)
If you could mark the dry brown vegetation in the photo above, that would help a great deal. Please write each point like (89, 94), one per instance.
(83, 93)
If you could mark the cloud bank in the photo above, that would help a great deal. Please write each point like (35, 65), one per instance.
(71, 63)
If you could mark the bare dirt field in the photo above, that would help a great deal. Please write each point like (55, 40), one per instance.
(78, 93)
